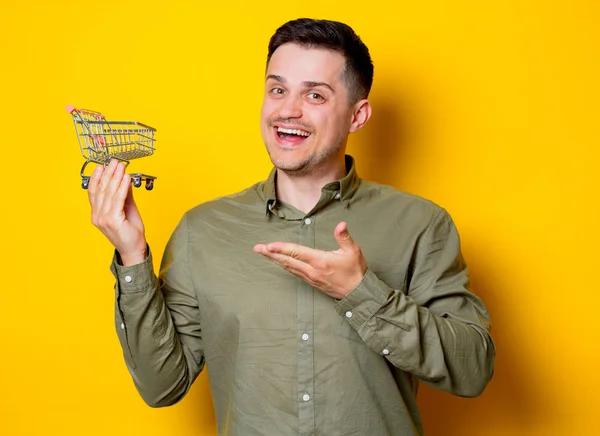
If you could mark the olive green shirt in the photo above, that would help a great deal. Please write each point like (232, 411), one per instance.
(283, 358)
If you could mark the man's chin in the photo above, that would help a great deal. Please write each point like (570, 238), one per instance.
(282, 160)
(292, 167)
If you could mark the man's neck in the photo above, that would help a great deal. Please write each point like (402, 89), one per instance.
(304, 191)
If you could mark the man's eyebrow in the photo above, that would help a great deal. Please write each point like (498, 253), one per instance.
(276, 78)
(306, 84)
(317, 84)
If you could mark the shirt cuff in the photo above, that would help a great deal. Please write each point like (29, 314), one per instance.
(364, 301)
(134, 278)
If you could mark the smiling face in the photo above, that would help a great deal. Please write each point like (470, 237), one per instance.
(305, 116)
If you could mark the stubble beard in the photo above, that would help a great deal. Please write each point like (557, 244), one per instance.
(309, 164)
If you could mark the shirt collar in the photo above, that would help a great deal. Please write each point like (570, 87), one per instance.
(347, 186)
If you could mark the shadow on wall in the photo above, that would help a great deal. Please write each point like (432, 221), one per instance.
(389, 150)
(380, 145)
(510, 400)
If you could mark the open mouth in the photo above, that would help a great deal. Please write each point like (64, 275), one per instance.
(291, 136)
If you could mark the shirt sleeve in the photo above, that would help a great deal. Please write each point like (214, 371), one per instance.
(438, 329)
(158, 323)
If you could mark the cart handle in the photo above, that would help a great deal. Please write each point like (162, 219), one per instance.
(70, 109)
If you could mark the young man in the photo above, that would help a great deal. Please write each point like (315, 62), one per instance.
(317, 300)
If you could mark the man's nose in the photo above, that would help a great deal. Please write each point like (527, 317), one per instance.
(291, 107)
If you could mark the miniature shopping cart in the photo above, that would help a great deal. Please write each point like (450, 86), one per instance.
(101, 140)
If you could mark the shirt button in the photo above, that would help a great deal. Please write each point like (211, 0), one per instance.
(386, 351)
(307, 221)
(128, 279)
(122, 326)
(306, 397)
(305, 337)
(338, 196)
(348, 314)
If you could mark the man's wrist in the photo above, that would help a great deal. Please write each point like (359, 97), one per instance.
(135, 258)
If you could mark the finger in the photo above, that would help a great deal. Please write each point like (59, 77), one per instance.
(122, 193)
(285, 261)
(301, 275)
(116, 179)
(129, 200)
(296, 251)
(93, 183)
(108, 195)
(343, 238)
(107, 175)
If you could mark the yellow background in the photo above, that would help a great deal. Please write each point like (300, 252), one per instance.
(490, 109)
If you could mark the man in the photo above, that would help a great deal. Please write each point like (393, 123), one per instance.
(317, 300)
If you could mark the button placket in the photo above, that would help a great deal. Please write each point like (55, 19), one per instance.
(305, 326)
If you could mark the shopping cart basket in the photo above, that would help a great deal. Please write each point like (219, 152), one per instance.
(101, 140)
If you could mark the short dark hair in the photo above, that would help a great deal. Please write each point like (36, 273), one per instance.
(333, 35)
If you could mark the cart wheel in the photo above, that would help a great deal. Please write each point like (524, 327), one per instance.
(149, 184)
(137, 182)
(85, 182)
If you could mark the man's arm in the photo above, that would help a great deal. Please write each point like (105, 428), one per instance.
(157, 319)
(158, 323)
(439, 330)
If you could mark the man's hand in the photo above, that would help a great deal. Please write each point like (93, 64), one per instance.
(336, 273)
(114, 211)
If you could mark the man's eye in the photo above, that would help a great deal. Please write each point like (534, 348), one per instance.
(277, 91)
(315, 96)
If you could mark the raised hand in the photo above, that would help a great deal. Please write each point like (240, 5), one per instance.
(114, 211)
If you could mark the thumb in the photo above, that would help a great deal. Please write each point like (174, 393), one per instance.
(343, 238)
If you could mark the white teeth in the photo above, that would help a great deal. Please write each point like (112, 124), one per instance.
(293, 131)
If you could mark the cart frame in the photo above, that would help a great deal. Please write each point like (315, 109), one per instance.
(101, 140)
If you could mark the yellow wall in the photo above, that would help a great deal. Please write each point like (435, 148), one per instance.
(490, 109)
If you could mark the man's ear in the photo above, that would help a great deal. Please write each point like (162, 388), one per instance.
(360, 115)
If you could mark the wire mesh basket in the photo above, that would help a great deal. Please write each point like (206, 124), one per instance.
(101, 140)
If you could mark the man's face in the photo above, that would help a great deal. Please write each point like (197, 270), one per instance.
(305, 117)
